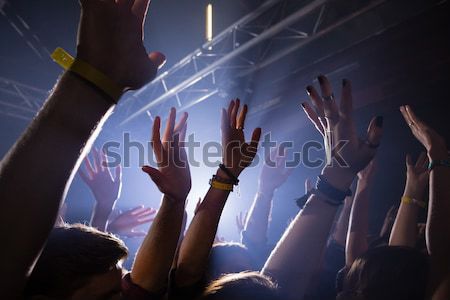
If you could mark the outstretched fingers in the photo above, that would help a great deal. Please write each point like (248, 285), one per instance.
(313, 117)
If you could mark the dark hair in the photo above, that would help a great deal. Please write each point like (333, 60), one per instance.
(224, 258)
(241, 286)
(72, 255)
(386, 273)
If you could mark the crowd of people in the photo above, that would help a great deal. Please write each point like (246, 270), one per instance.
(325, 252)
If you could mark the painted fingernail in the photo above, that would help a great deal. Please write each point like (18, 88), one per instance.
(344, 82)
(321, 79)
(309, 89)
(379, 121)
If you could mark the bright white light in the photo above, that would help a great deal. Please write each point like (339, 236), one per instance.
(209, 22)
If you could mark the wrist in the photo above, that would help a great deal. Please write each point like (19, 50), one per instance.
(338, 178)
(438, 152)
(413, 192)
(266, 191)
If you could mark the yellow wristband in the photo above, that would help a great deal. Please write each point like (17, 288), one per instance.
(220, 185)
(88, 72)
(409, 200)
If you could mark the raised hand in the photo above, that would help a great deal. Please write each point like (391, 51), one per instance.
(237, 154)
(105, 187)
(417, 176)
(430, 139)
(366, 174)
(172, 177)
(125, 223)
(274, 171)
(329, 118)
(110, 38)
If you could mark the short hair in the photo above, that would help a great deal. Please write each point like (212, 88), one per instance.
(220, 257)
(241, 286)
(72, 255)
(389, 272)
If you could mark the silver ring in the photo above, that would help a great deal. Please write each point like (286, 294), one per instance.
(328, 98)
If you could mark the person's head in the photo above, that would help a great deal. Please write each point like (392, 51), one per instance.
(241, 286)
(396, 273)
(228, 258)
(78, 262)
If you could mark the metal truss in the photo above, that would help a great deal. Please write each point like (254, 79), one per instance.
(19, 100)
(239, 48)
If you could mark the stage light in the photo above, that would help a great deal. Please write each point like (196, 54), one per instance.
(209, 22)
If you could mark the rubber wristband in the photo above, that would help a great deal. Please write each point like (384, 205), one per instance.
(229, 174)
(220, 185)
(336, 196)
(409, 200)
(436, 163)
(88, 72)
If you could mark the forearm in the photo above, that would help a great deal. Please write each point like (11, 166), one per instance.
(404, 230)
(359, 224)
(197, 243)
(340, 232)
(258, 218)
(99, 217)
(39, 168)
(155, 256)
(298, 252)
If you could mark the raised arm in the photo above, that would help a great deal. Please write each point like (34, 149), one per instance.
(237, 155)
(340, 232)
(438, 230)
(359, 216)
(404, 231)
(36, 172)
(298, 252)
(273, 174)
(104, 186)
(155, 256)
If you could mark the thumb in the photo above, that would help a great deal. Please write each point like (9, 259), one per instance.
(155, 175)
(158, 59)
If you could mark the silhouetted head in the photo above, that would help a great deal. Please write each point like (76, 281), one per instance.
(78, 262)
(228, 258)
(396, 273)
(241, 286)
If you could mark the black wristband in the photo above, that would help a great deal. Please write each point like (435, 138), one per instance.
(302, 200)
(233, 178)
(334, 195)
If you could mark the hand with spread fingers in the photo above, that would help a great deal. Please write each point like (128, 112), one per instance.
(125, 223)
(274, 171)
(237, 154)
(427, 136)
(111, 37)
(351, 153)
(172, 177)
(97, 176)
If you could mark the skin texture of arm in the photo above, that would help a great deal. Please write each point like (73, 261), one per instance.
(155, 256)
(273, 175)
(300, 249)
(196, 245)
(404, 231)
(437, 230)
(359, 217)
(37, 171)
(340, 232)
(50, 150)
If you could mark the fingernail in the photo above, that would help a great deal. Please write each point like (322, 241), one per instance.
(321, 79)
(344, 82)
(309, 89)
(379, 121)
(304, 104)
